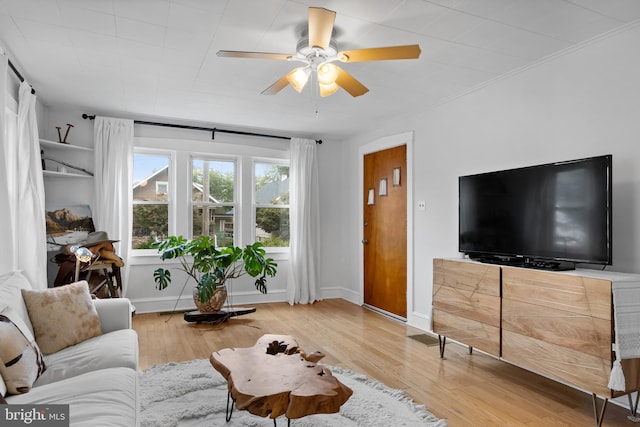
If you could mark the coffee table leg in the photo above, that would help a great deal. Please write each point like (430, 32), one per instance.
(229, 413)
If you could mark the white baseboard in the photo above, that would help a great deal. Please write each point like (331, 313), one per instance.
(351, 296)
(419, 320)
(162, 304)
(155, 305)
(338, 292)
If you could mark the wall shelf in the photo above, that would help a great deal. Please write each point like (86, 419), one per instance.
(65, 174)
(56, 152)
(60, 146)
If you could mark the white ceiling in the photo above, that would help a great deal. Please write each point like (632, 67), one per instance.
(157, 58)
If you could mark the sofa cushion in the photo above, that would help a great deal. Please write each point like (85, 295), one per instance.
(22, 361)
(62, 316)
(11, 285)
(107, 397)
(112, 350)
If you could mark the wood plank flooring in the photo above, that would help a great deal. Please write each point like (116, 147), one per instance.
(467, 390)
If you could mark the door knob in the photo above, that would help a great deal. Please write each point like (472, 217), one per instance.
(365, 241)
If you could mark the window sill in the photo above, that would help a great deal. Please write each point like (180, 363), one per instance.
(152, 257)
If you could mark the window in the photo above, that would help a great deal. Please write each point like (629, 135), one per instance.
(237, 194)
(271, 198)
(213, 198)
(151, 198)
(162, 187)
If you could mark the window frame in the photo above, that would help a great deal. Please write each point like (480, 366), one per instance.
(255, 205)
(171, 196)
(182, 149)
(237, 194)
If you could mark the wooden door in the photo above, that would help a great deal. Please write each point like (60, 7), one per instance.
(385, 230)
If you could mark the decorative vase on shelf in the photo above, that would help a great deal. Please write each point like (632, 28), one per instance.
(215, 303)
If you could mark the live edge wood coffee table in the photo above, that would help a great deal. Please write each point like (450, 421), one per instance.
(275, 377)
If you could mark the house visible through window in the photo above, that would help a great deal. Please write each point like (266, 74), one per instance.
(271, 198)
(213, 198)
(151, 199)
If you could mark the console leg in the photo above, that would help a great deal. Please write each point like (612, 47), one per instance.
(599, 416)
(441, 343)
(633, 407)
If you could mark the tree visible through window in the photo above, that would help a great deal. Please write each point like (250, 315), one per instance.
(150, 199)
(272, 204)
(213, 200)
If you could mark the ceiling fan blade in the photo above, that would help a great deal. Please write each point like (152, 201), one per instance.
(411, 51)
(253, 55)
(320, 26)
(276, 87)
(349, 83)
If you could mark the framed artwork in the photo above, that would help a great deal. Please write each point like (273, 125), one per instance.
(67, 225)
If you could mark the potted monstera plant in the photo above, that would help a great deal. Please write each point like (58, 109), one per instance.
(212, 268)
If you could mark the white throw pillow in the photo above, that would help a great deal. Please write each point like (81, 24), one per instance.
(62, 316)
(21, 359)
(11, 285)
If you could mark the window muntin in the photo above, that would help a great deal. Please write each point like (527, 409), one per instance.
(271, 200)
(150, 208)
(213, 199)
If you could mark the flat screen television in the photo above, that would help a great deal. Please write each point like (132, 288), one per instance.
(549, 216)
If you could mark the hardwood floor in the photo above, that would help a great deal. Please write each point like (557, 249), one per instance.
(467, 390)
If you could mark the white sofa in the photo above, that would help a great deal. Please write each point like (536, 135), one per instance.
(98, 377)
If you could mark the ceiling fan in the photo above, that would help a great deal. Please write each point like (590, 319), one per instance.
(318, 51)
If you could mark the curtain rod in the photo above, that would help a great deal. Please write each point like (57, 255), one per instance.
(17, 73)
(212, 130)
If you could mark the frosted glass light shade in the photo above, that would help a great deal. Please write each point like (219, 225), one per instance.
(298, 78)
(327, 73)
(327, 89)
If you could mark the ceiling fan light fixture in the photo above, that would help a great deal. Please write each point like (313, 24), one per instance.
(298, 78)
(328, 89)
(327, 73)
(318, 51)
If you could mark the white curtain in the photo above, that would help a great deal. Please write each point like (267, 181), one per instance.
(303, 281)
(113, 148)
(26, 195)
(6, 226)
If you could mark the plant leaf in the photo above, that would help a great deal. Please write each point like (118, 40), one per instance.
(162, 278)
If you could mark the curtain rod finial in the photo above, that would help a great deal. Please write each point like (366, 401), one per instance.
(86, 116)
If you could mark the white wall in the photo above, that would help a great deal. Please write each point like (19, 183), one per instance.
(141, 286)
(578, 104)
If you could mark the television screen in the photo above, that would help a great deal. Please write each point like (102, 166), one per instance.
(558, 211)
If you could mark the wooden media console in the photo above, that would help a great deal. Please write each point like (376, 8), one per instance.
(557, 324)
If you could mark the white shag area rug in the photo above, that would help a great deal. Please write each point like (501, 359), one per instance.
(194, 394)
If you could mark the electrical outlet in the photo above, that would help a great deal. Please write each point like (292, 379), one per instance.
(422, 205)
